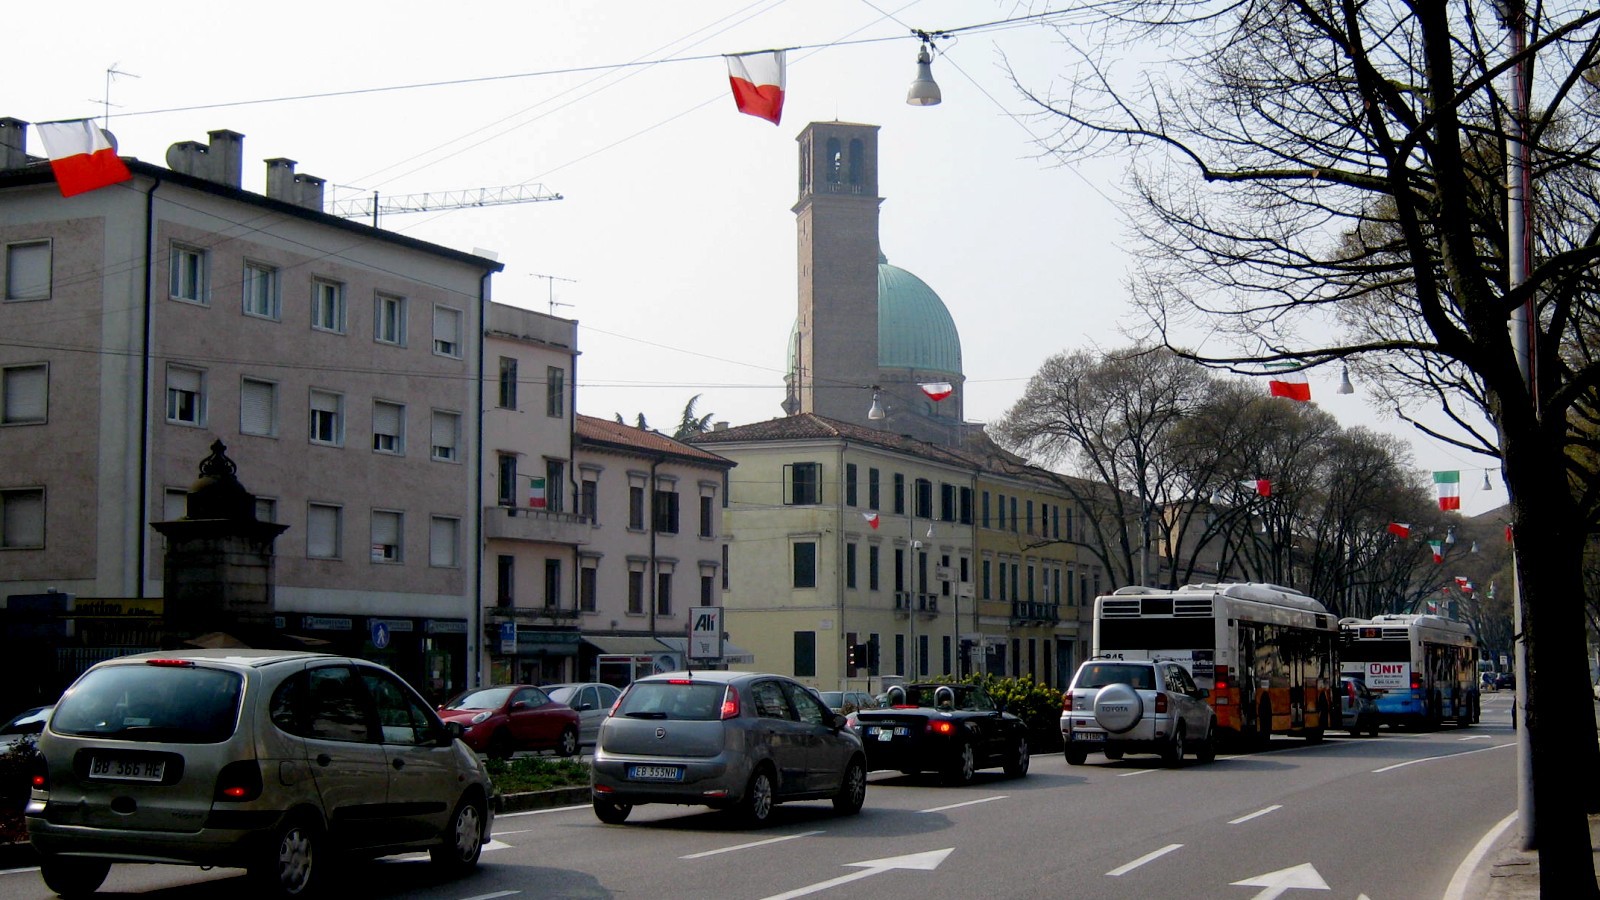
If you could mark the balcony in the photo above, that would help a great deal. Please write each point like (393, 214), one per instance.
(1030, 612)
(513, 523)
(528, 614)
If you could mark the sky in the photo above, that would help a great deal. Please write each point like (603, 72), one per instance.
(673, 244)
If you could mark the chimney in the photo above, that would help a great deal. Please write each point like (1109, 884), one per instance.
(221, 162)
(310, 191)
(280, 179)
(719, 426)
(13, 143)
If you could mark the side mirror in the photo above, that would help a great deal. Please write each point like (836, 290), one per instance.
(585, 707)
(451, 733)
(1202, 693)
(520, 704)
(838, 722)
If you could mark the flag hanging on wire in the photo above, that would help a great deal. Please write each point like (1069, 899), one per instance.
(757, 80)
(872, 519)
(1400, 529)
(1292, 385)
(1262, 486)
(81, 156)
(937, 390)
(1438, 550)
(1449, 487)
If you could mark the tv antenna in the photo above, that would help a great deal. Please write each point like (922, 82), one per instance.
(111, 70)
(551, 280)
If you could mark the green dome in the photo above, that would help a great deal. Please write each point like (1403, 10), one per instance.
(915, 330)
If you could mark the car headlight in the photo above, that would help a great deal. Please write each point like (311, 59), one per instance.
(482, 717)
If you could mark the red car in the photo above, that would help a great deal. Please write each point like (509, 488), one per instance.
(506, 718)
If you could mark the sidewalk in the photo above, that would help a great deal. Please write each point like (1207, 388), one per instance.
(1508, 873)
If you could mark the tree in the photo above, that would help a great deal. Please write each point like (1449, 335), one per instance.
(689, 424)
(1323, 181)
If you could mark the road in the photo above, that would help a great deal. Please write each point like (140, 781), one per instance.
(1386, 817)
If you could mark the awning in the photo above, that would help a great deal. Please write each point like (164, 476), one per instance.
(731, 653)
(630, 645)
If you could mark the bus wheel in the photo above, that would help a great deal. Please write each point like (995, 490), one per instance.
(1263, 734)
(1314, 735)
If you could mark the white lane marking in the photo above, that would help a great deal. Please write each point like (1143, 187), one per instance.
(496, 845)
(926, 862)
(1302, 877)
(1457, 890)
(1259, 812)
(1424, 759)
(1154, 854)
(18, 871)
(776, 840)
(520, 831)
(968, 803)
(539, 812)
(492, 896)
(1136, 772)
(1476, 737)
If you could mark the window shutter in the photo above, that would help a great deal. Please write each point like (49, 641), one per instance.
(446, 330)
(28, 271)
(25, 394)
(386, 419)
(256, 407)
(324, 402)
(183, 380)
(444, 436)
(24, 519)
(386, 528)
(322, 532)
(442, 542)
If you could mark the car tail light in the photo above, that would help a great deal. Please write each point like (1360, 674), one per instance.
(941, 726)
(40, 778)
(169, 662)
(730, 703)
(679, 681)
(618, 701)
(1350, 690)
(1220, 681)
(1161, 702)
(1066, 701)
(239, 781)
(1416, 681)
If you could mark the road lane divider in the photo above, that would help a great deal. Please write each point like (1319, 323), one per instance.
(1260, 812)
(1125, 868)
(1412, 762)
(967, 803)
(777, 840)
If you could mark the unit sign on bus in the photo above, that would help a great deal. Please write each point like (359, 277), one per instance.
(1388, 676)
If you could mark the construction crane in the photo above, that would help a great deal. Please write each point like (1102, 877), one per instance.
(438, 200)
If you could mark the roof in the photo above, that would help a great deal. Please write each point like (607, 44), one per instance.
(915, 330)
(810, 426)
(626, 438)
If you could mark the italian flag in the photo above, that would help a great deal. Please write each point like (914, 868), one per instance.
(81, 156)
(1292, 385)
(1449, 487)
(536, 493)
(872, 519)
(1438, 550)
(1400, 529)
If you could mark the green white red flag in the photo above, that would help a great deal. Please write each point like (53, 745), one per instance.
(1449, 486)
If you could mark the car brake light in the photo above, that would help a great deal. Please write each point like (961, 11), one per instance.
(1161, 702)
(730, 703)
(239, 781)
(1416, 681)
(1220, 681)
(679, 681)
(941, 726)
(1066, 701)
(169, 662)
(618, 701)
(41, 775)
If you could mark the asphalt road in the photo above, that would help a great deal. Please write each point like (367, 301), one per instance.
(1389, 817)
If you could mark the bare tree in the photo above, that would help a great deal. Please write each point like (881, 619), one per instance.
(1324, 180)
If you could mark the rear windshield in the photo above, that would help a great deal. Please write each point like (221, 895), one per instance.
(167, 704)
(563, 694)
(699, 702)
(1094, 675)
(833, 699)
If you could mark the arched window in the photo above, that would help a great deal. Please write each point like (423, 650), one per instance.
(858, 161)
(834, 160)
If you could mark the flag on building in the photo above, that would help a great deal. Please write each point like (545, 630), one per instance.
(81, 156)
(1400, 529)
(757, 80)
(536, 492)
(1433, 608)
(1449, 487)
(937, 390)
(872, 519)
(1438, 550)
(1292, 385)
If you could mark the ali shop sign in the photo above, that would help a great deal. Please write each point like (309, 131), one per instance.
(1388, 676)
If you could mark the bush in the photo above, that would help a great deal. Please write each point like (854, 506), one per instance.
(1038, 705)
(536, 773)
(16, 779)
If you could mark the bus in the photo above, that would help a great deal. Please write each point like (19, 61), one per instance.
(1424, 668)
(1266, 654)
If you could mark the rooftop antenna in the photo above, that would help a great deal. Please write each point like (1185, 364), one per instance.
(551, 280)
(112, 70)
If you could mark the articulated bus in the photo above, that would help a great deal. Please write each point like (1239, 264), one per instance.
(1423, 668)
(1265, 653)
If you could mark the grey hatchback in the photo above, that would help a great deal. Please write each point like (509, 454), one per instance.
(273, 761)
(740, 741)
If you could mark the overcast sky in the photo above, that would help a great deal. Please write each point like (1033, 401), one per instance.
(674, 245)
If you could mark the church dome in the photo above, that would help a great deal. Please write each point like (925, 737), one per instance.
(915, 330)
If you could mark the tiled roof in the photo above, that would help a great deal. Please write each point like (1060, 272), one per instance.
(616, 434)
(809, 426)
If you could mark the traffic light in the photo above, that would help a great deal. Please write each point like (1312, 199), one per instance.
(852, 653)
(872, 655)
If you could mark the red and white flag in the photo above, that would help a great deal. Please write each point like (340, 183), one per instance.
(757, 80)
(1292, 385)
(937, 390)
(1263, 486)
(81, 156)
(872, 519)
(1400, 529)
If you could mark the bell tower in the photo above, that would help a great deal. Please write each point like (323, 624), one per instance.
(836, 332)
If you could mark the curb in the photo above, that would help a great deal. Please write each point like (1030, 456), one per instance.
(571, 796)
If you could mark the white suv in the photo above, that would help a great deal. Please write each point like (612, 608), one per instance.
(1119, 706)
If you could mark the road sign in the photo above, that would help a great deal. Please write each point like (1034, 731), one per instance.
(508, 638)
(380, 633)
(705, 633)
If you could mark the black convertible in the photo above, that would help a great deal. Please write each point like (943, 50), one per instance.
(952, 729)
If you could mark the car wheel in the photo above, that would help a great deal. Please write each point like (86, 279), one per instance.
(1114, 753)
(1372, 731)
(1206, 752)
(73, 877)
(611, 812)
(501, 745)
(462, 842)
(1017, 766)
(964, 767)
(756, 806)
(293, 863)
(852, 789)
(1172, 753)
(1076, 756)
(569, 742)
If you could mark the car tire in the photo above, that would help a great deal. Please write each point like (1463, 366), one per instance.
(293, 863)
(964, 766)
(852, 789)
(1076, 756)
(1206, 751)
(568, 745)
(1017, 765)
(1172, 753)
(755, 807)
(73, 877)
(501, 746)
(462, 842)
(611, 812)
(1114, 753)
(1372, 731)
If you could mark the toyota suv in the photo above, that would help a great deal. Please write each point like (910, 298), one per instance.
(1118, 706)
(273, 761)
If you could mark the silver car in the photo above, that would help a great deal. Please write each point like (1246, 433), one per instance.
(592, 700)
(273, 761)
(1119, 706)
(740, 741)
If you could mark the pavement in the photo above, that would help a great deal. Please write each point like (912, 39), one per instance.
(1505, 871)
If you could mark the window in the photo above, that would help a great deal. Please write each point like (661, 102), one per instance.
(1013, 514)
(188, 271)
(22, 518)
(552, 584)
(555, 392)
(388, 427)
(983, 510)
(555, 485)
(983, 581)
(636, 592)
(707, 503)
(266, 509)
(850, 484)
(260, 291)
(872, 489)
(327, 418)
(443, 541)
(258, 407)
(966, 506)
(508, 383)
(1028, 525)
(386, 532)
(588, 500)
(322, 531)
(588, 590)
(708, 589)
(872, 567)
(446, 428)
(636, 507)
(724, 567)
(327, 306)
(850, 565)
(338, 707)
(389, 320)
(508, 480)
(24, 394)
(447, 332)
(505, 579)
(663, 593)
(924, 498)
(899, 494)
(186, 404)
(947, 502)
(805, 654)
(1000, 511)
(805, 564)
(802, 484)
(28, 271)
(402, 719)
(666, 512)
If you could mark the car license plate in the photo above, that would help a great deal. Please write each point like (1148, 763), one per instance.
(886, 734)
(655, 773)
(1088, 736)
(121, 768)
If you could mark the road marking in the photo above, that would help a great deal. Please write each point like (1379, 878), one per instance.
(1304, 877)
(1462, 879)
(493, 895)
(968, 803)
(1154, 854)
(1259, 812)
(1136, 772)
(1424, 759)
(927, 862)
(540, 812)
(18, 871)
(776, 840)
(1475, 737)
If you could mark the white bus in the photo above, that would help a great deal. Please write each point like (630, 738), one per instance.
(1265, 654)
(1423, 668)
